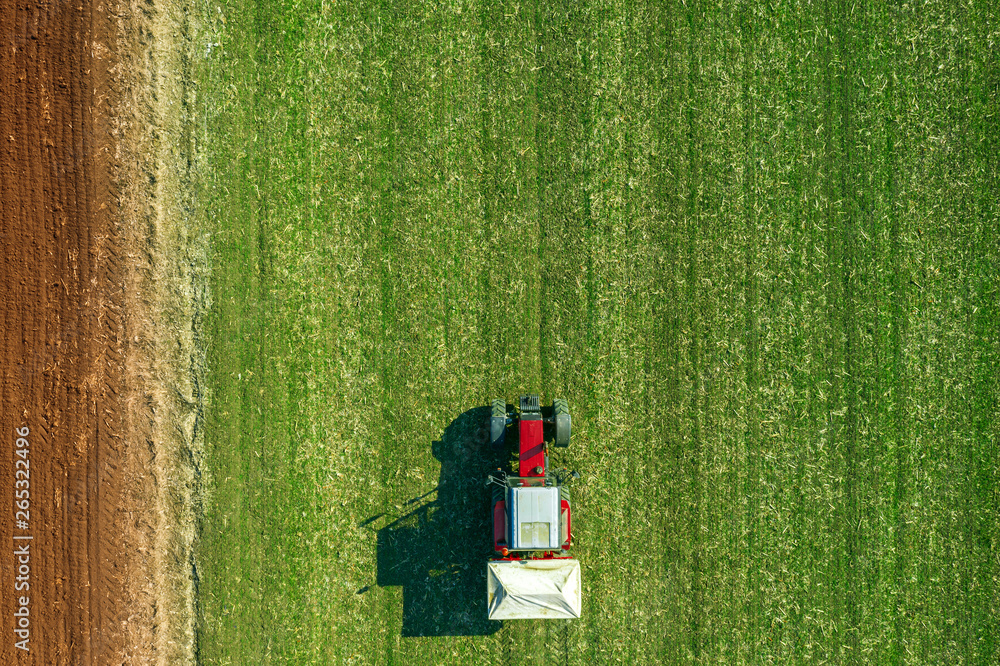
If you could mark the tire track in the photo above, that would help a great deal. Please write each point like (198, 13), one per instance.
(751, 339)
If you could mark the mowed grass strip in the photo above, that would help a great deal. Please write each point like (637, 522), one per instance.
(753, 245)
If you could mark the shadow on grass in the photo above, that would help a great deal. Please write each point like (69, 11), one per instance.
(438, 549)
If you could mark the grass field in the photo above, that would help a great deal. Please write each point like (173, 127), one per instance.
(755, 245)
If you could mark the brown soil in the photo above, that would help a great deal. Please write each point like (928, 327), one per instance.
(70, 349)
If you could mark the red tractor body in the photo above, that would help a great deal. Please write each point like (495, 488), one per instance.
(532, 445)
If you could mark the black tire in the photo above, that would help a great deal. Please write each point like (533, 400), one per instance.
(498, 422)
(560, 410)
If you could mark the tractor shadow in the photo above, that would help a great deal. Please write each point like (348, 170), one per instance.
(437, 549)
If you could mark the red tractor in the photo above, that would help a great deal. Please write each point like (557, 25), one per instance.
(532, 575)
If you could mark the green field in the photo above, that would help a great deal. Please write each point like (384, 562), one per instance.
(754, 244)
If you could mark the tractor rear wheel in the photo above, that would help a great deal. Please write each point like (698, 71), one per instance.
(560, 410)
(498, 422)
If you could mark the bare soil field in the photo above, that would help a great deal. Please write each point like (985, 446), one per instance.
(81, 466)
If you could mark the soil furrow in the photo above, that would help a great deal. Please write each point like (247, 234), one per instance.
(63, 313)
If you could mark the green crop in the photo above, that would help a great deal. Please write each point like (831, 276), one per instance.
(754, 244)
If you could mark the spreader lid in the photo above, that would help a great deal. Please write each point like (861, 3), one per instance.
(534, 518)
(539, 589)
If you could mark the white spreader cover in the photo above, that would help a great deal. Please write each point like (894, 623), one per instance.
(541, 589)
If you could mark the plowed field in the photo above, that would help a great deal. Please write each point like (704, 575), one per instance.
(76, 489)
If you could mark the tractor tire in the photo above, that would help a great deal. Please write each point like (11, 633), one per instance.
(560, 410)
(498, 423)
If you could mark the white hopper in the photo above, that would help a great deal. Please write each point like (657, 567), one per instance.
(526, 589)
